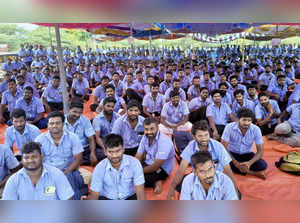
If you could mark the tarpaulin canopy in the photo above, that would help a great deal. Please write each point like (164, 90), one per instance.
(78, 25)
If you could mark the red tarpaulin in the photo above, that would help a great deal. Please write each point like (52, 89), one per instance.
(78, 25)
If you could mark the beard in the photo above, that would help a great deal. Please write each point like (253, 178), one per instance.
(133, 118)
(107, 112)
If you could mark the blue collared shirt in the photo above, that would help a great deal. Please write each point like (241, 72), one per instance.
(13, 136)
(52, 94)
(276, 89)
(131, 137)
(61, 156)
(174, 114)
(32, 109)
(80, 86)
(162, 148)
(254, 100)
(262, 113)
(118, 184)
(99, 92)
(53, 185)
(221, 115)
(196, 103)
(82, 128)
(151, 105)
(294, 119)
(102, 125)
(237, 143)
(219, 154)
(193, 91)
(164, 86)
(10, 100)
(221, 189)
(247, 104)
(7, 161)
(119, 87)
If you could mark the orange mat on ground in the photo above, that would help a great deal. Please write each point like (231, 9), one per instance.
(277, 186)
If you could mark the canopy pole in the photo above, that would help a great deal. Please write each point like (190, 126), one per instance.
(62, 71)
(150, 42)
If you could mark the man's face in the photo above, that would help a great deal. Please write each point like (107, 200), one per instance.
(55, 125)
(19, 123)
(139, 76)
(104, 82)
(75, 113)
(252, 91)
(115, 77)
(234, 82)
(204, 94)
(28, 95)
(217, 98)
(281, 81)
(32, 161)
(176, 85)
(197, 82)
(245, 122)
(205, 172)
(115, 154)
(181, 74)
(129, 78)
(108, 108)
(202, 138)
(239, 98)
(133, 113)
(264, 101)
(55, 83)
(150, 130)
(12, 86)
(110, 92)
(175, 100)
(150, 80)
(168, 77)
(154, 90)
(79, 76)
(20, 80)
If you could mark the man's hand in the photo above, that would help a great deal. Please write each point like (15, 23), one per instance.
(245, 167)
(241, 167)
(47, 108)
(93, 159)
(216, 135)
(278, 121)
(270, 108)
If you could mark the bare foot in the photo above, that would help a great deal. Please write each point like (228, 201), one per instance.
(158, 187)
(260, 175)
(271, 136)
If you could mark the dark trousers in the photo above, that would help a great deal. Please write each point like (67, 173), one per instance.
(152, 178)
(6, 116)
(259, 165)
(133, 197)
(131, 151)
(267, 129)
(86, 155)
(199, 114)
(220, 129)
(87, 97)
(54, 106)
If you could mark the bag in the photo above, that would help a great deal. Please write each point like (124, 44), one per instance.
(290, 163)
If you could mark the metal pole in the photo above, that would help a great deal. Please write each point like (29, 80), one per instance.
(62, 71)
(150, 42)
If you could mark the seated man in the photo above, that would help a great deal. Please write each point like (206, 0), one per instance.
(166, 84)
(153, 102)
(9, 98)
(130, 127)
(288, 132)
(82, 127)
(103, 124)
(99, 93)
(52, 96)
(80, 87)
(241, 102)
(147, 87)
(266, 113)
(226, 97)
(194, 90)
(33, 107)
(252, 94)
(8, 165)
(174, 115)
(238, 138)
(37, 181)
(198, 105)
(63, 150)
(218, 114)
(277, 91)
(22, 85)
(176, 87)
(206, 183)
(202, 142)
(20, 132)
(156, 152)
(119, 176)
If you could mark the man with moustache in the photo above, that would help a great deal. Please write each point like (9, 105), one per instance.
(37, 181)
(130, 127)
(175, 87)
(238, 138)
(156, 153)
(206, 183)
(119, 176)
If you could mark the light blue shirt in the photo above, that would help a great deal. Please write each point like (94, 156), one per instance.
(197, 102)
(193, 92)
(220, 115)
(82, 128)
(237, 143)
(164, 86)
(13, 136)
(276, 89)
(99, 92)
(53, 94)
(7, 161)
(219, 154)
(131, 137)
(102, 125)
(118, 88)
(294, 119)
(32, 109)
(174, 114)
(53, 185)
(247, 104)
(117, 184)
(162, 148)
(153, 106)
(10, 100)
(60, 156)
(221, 189)
(262, 113)
(80, 86)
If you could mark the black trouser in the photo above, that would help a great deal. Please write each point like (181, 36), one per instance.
(6, 115)
(267, 129)
(259, 165)
(86, 155)
(199, 114)
(133, 197)
(220, 129)
(131, 151)
(86, 97)
(56, 106)
(152, 178)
